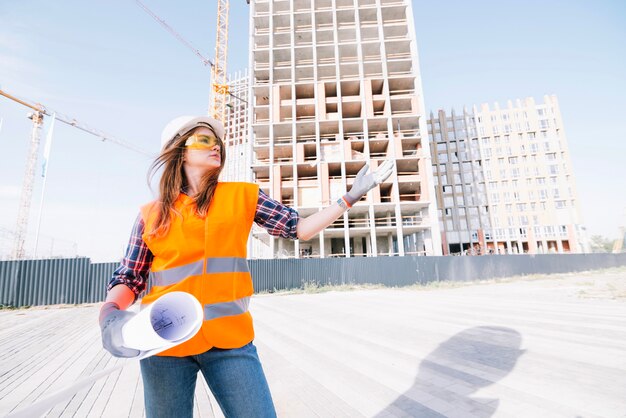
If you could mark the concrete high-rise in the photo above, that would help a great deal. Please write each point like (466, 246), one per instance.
(504, 180)
(335, 85)
(459, 183)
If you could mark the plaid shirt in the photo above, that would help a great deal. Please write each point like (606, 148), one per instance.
(276, 218)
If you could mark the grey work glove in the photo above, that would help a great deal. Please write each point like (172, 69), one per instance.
(363, 183)
(112, 319)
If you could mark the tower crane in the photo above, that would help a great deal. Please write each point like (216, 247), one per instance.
(39, 111)
(219, 89)
(217, 99)
(219, 82)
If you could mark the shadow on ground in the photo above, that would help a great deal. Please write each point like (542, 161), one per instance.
(492, 350)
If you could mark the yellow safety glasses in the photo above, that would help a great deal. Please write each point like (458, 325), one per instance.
(202, 142)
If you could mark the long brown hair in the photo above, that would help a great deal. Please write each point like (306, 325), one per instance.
(173, 181)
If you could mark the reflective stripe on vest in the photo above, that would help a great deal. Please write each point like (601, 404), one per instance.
(227, 265)
(213, 265)
(217, 310)
(176, 274)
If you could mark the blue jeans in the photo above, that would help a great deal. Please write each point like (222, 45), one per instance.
(234, 376)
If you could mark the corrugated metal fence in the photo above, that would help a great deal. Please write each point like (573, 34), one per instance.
(77, 280)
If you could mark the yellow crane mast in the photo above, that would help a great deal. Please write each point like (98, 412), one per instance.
(219, 83)
(219, 90)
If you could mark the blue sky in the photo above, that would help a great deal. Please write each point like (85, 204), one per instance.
(109, 65)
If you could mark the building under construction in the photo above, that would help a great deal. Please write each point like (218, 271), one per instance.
(335, 85)
(504, 180)
(237, 128)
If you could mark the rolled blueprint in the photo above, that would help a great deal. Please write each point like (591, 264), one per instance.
(170, 320)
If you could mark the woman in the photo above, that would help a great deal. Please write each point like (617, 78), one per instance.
(194, 239)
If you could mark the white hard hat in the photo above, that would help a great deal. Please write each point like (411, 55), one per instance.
(183, 124)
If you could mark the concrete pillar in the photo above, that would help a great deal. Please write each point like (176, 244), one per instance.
(396, 145)
(369, 102)
(421, 166)
(299, 152)
(415, 108)
(347, 151)
(275, 104)
(321, 101)
(374, 194)
(276, 188)
(373, 243)
(324, 183)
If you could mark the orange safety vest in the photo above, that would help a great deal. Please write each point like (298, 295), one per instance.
(207, 258)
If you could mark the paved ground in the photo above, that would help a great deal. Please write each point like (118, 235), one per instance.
(532, 348)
